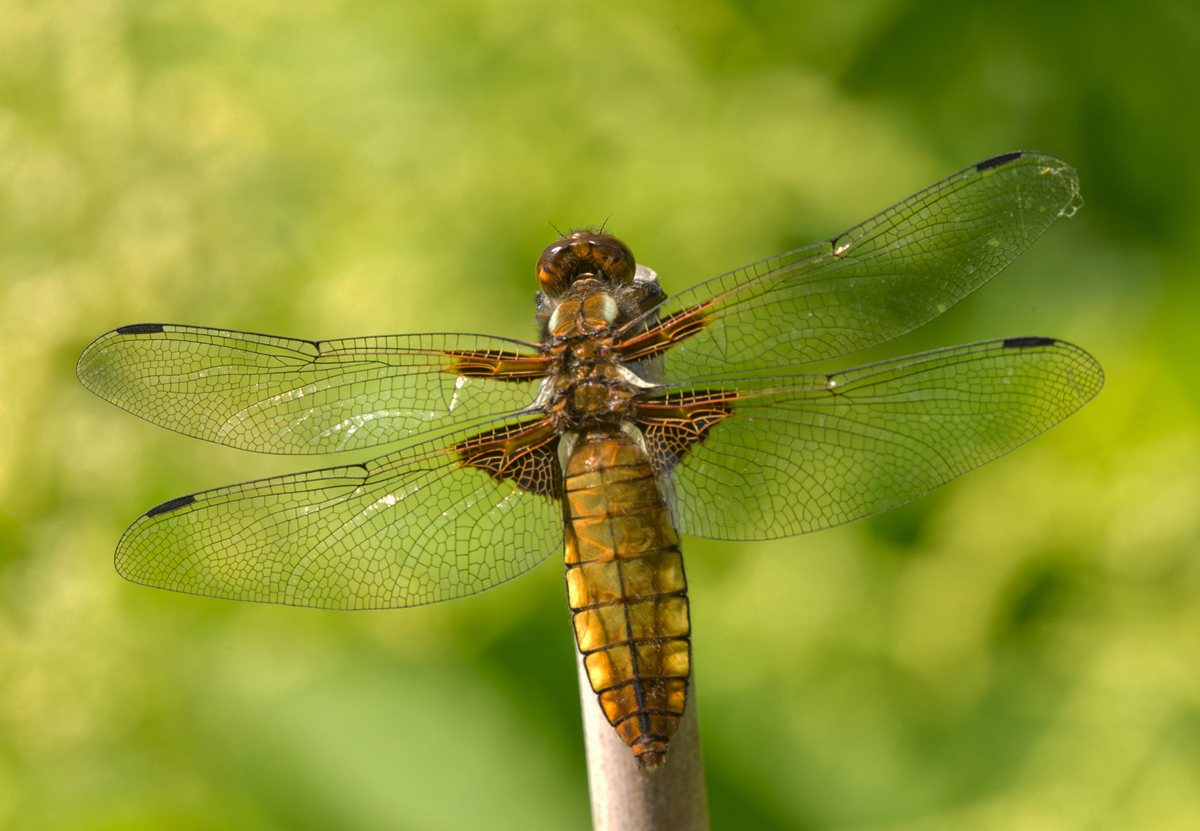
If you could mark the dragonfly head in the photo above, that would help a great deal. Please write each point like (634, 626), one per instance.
(584, 254)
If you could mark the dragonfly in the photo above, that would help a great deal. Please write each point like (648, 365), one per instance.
(634, 418)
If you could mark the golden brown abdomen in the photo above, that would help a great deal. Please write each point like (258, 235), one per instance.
(627, 591)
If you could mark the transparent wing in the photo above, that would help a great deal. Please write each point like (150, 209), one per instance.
(432, 522)
(876, 281)
(774, 457)
(281, 395)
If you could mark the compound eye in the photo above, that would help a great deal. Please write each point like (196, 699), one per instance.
(584, 253)
(613, 258)
(556, 268)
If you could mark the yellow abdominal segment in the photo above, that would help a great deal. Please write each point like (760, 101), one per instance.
(626, 590)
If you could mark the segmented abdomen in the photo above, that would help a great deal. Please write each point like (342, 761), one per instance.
(626, 590)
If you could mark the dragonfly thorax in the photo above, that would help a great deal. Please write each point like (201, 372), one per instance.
(590, 385)
(583, 315)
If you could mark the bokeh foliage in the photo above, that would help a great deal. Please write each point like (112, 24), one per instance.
(1020, 650)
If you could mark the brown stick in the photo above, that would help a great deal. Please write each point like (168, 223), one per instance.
(624, 798)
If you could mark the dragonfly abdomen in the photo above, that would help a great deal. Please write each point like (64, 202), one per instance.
(627, 591)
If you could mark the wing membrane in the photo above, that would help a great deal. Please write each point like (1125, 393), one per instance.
(878, 280)
(421, 525)
(281, 395)
(770, 458)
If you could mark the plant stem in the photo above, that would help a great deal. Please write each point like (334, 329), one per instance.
(625, 798)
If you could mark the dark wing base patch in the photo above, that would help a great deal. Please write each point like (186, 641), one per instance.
(498, 365)
(673, 424)
(526, 454)
(670, 331)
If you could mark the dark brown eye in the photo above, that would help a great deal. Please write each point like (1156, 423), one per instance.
(584, 252)
(613, 258)
(556, 267)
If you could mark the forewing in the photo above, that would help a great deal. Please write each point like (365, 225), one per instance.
(282, 395)
(775, 457)
(431, 522)
(878, 280)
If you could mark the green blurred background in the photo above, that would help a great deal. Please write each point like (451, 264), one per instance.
(1019, 650)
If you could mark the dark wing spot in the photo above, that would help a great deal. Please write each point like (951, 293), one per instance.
(141, 329)
(1019, 343)
(997, 161)
(171, 505)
